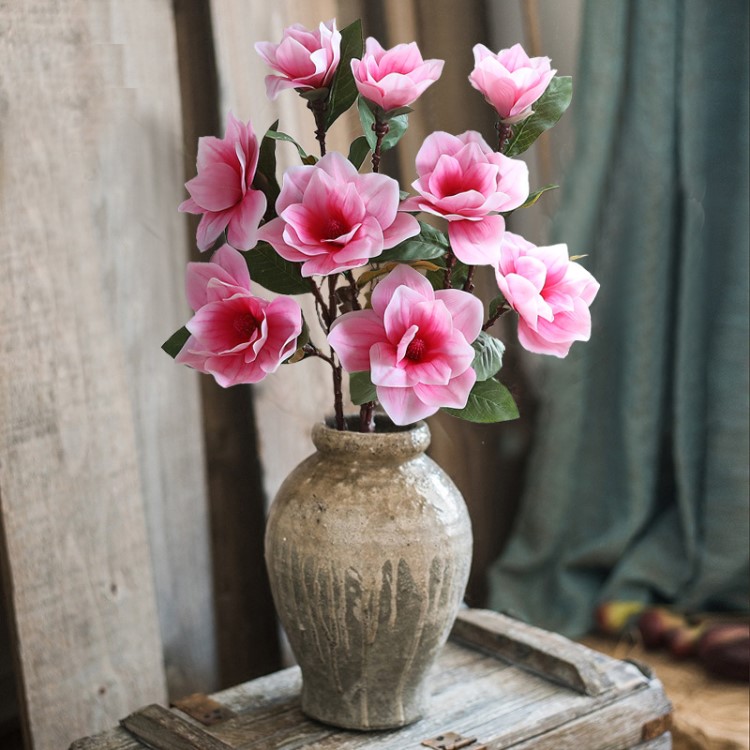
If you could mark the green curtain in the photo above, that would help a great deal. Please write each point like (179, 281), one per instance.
(637, 486)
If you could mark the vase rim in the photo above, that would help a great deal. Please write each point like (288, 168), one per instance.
(388, 440)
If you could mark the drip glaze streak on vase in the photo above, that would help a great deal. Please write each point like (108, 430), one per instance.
(368, 548)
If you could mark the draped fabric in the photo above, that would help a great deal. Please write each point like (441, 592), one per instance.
(638, 483)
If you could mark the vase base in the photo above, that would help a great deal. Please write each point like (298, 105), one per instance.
(362, 718)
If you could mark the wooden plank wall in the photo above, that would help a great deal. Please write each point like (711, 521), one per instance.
(99, 432)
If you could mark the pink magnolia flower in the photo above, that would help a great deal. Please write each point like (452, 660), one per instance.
(550, 293)
(462, 179)
(415, 342)
(223, 190)
(305, 59)
(510, 80)
(331, 218)
(235, 336)
(396, 77)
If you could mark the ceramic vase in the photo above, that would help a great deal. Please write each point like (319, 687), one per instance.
(368, 548)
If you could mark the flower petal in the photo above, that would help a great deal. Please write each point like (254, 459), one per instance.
(477, 243)
(352, 335)
(402, 275)
(242, 231)
(403, 405)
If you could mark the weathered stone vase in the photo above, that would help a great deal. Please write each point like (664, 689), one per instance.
(368, 547)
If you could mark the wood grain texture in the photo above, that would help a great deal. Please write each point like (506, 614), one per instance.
(473, 694)
(242, 598)
(161, 729)
(548, 654)
(75, 134)
(143, 245)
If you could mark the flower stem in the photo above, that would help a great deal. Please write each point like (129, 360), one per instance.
(320, 305)
(367, 417)
(501, 310)
(450, 262)
(319, 108)
(338, 397)
(504, 133)
(381, 129)
(469, 283)
(354, 290)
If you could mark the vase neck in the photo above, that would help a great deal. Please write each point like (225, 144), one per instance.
(387, 442)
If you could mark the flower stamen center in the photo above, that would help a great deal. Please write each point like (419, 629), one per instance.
(246, 325)
(415, 350)
(334, 228)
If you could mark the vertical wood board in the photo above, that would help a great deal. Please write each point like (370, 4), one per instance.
(89, 121)
(143, 244)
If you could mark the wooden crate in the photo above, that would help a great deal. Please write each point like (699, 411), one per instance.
(498, 684)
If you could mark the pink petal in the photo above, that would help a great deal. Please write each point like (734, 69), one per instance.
(352, 335)
(212, 150)
(477, 242)
(402, 275)
(402, 405)
(338, 167)
(384, 369)
(533, 342)
(380, 194)
(210, 227)
(465, 309)
(403, 227)
(216, 187)
(191, 356)
(276, 84)
(226, 265)
(454, 395)
(190, 206)
(242, 232)
(435, 145)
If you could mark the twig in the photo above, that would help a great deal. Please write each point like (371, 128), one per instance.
(381, 129)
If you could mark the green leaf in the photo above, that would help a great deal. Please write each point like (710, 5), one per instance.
(343, 88)
(265, 173)
(489, 401)
(361, 388)
(358, 151)
(534, 197)
(270, 270)
(429, 243)
(547, 111)
(489, 356)
(277, 135)
(396, 127)
(173, 345)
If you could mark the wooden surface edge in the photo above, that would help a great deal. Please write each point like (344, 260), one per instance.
(546, 654)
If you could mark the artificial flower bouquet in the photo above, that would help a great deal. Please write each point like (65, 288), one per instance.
(393, 294)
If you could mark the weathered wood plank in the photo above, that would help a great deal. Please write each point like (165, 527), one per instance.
(71, 492)
(162, 729)
(618, 726)
(142, 239)
(550, 655)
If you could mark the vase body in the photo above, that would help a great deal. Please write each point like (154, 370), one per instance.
(368, 548)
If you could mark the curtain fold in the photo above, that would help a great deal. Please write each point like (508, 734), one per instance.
(638, 484)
